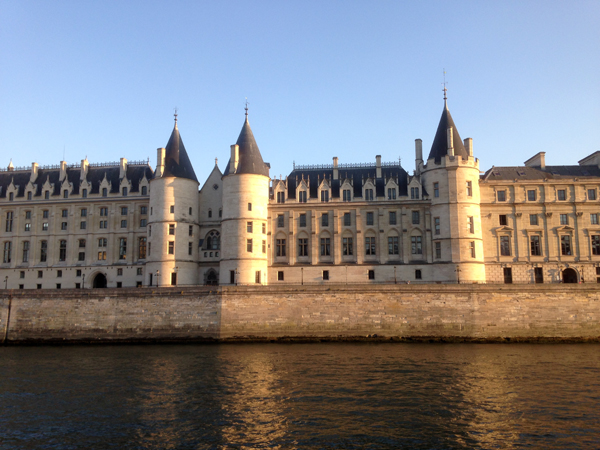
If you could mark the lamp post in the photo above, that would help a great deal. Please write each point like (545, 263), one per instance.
(83, 281)
(236, 276)
(157, 275)
(457, 270)
(6, 282)
(176, 270)
(395, 280)
(302, 275)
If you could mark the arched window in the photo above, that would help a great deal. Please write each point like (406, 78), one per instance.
(213, 240)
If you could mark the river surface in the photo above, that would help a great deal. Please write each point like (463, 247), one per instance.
(327, 395)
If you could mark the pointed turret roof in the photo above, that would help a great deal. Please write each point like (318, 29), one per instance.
(439, 149)
(177, 162)
(250, 159)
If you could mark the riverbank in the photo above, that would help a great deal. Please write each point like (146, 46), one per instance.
(386, 313)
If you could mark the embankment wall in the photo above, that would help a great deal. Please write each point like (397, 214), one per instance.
(313, 312)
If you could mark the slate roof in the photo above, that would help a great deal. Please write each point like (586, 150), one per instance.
(439, 148)
(95, 175)
(250, 159)
(177, 162)
(537, 173)
(314, 177)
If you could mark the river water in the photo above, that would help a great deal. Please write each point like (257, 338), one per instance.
(327, 395)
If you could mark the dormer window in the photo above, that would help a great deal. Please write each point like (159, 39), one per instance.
(391, 193)
(11, 197)
(414, 193)
(347, 195)
(124, 192)
(369, 195)
(144, 190)
(65, 194)
(324, 196)
(29, 195)
(302, 197)
(281, 197)
(46, 195)
(104, 192)
(84, 193)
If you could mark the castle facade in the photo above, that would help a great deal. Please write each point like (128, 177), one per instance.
(125, 225)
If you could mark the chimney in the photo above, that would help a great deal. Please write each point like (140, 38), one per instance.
(235, 158)
(122, 168)
(418, 156)
(469, 146)
(63, 170)
(537, 160)
(378, 166)
(84, 169)
(34, 171)
(335, 168)
(450, 138)
(160, 162)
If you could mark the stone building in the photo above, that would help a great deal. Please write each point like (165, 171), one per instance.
(125, 225)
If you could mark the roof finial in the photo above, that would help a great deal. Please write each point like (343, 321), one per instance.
(246, 108)
(445, 88)
(175, 117)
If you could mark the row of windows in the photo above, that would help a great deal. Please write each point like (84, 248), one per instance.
(561, 195)
(346, 195)
(535, 245)
(347, 219)
(325, 275)
(62, 250)
(533, 219)
(348, 246)
(84, 193)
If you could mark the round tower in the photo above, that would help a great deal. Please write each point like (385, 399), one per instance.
(451, 177)
(245, 212)
(173, 230)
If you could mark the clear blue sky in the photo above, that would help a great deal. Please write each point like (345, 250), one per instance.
(323, 78)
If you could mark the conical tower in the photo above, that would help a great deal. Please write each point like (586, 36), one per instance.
(451, 177)
(245, 212)
(173, 222)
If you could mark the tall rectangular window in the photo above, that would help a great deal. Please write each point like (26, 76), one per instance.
(62, 250)
(533, 219)
(302, 196)
(391, 193)
(171, 248)
(142, 248)
(190, 230)
(505, 245)
(414, 193)
(369, 218)
(123, 210)
(190, 248)
(26, 251)
(438, 250)
(536, 249)
(264, 228)
(325, 220)
(416, 217)
(257, 277)
(264, 246)
(369, 194)
(124, 192)
(281, 197)
(9, 221)
(594, 219)
(469, 189)
(303, 247)
(531, 195)
(501, 196)
(564, 219)
(472, 248)
(591, 194)
(393, 247)
(248, 227)
(347, 219)
(104, 192)
(7, 256)
(122, 248)
(172, 229)
(302, 220)
(325, 247)
(84, 193)
(43, 251)
(565, 245)
(436, 190)
(144, 190)
(370, 245)
(562, 194)
(324, 196)
(416, 245)
(249, 245)
(347, 246)
(595, 244)
(436, 225)
(280, 247)
(502, 219)
(471, 224)
(83, 212)
(280, 221)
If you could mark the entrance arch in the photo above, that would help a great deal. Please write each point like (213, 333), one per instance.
(211, 278)
(99, 281)
(570, 276)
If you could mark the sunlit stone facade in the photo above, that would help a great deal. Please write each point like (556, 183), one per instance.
(125, 225)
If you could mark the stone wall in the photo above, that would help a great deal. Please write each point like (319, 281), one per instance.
(409, 311)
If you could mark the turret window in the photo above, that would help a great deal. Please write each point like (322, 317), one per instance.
(438, 250)
(190, 230)
(471, 224)
(249, 245)
(190, 248)
(249, 227)
(171, 247)
(264, 246)
(249, 206)
(469, 189)
(472, 248)
(209, 213)
(172, 229)
(172, 209)
(264, 228)
(436, 225)
(436, 190)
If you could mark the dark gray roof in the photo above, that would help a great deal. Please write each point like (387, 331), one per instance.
(537, 173)
(95, 175)
(177, 162)
(315, 176)
(439, 149)
(250, 159)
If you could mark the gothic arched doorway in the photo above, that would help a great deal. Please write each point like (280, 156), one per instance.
(569, 276)
(99, 281)
(211, 278)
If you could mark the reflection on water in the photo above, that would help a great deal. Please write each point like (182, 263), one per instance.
(300, 396)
